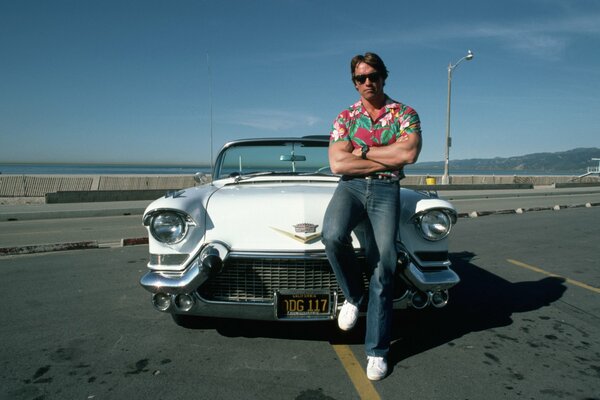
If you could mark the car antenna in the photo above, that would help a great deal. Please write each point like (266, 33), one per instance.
(198, 175)
(210, 101)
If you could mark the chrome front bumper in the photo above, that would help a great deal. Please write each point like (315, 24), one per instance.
(422, 285)
(176, 283)
(435, 280)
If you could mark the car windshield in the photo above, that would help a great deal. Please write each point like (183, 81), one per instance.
(285, 157)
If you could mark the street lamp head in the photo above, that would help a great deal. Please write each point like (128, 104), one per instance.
(468, 57)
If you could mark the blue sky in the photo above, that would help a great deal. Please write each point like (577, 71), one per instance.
(137, 81)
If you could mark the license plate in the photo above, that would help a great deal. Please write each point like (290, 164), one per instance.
(303, 305)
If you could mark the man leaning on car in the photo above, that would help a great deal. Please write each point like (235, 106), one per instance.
(370, 143)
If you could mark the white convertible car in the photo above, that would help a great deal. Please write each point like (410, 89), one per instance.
(248, 244)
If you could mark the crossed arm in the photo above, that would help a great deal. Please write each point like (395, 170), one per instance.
(345, 159)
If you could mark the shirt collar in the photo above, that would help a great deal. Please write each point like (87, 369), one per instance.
(390, 104)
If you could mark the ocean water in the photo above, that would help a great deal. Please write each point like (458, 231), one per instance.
(114, 169)
(99, 169)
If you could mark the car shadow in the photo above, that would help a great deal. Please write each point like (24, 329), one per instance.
(479, 302)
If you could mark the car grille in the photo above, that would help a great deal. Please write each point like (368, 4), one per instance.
(257, 279)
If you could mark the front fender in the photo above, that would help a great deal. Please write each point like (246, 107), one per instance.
(421, 250)
(192, 203)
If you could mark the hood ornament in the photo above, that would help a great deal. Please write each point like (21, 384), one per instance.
(304, 233)
(305, 228)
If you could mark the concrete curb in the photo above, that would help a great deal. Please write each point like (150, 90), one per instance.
(475, 214)
(45, 248)
(50, 247)
(134, 241)
(524, 194)
(35, 215)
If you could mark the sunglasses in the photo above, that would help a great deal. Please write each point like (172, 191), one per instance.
(373, 77)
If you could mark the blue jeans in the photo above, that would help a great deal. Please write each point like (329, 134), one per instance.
(373, 206)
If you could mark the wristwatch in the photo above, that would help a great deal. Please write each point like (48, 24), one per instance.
(364, 150)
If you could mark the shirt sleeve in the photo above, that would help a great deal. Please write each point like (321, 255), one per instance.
(409, 122)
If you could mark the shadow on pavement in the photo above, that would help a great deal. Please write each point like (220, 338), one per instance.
(481, 301)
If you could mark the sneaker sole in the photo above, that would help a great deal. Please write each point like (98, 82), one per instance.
(375, 378)
(346, 329)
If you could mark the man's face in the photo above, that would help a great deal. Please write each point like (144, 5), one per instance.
(368, 89)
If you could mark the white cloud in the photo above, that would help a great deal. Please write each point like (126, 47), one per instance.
(273, 120)
(546, 39)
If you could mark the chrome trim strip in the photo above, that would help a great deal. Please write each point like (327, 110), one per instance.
(150, 214)
(316, 254)
(257, 311)
(431, 281)
(185, 282)
(434, 264)
(167, 259)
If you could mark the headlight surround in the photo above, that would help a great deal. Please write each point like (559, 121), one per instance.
(168, 227)
(435, 225)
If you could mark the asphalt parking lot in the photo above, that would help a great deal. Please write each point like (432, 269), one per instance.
(523, 323)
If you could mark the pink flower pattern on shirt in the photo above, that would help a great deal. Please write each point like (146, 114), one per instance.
(355, 125)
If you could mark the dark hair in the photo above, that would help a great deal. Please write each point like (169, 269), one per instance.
(371, 59)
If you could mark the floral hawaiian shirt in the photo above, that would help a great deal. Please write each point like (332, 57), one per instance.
(394, 121)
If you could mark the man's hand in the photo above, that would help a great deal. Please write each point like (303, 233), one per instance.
(345, 160)
(358, 151)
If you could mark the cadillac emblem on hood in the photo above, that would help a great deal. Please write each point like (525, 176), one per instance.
(305, 228)
(305, 233)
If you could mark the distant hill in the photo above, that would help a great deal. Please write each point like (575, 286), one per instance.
(576, 160)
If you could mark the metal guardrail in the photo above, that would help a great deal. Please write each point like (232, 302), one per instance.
(40, 185)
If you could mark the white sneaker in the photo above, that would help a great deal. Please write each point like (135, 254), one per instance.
(376, 368)
(348, 316)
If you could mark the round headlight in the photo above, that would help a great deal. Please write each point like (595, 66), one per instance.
(435, 225)
(168, 227)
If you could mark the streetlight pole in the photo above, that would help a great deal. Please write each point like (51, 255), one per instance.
(446, 176)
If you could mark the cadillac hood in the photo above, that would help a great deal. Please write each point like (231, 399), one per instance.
(269, 217)
(273, 216)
